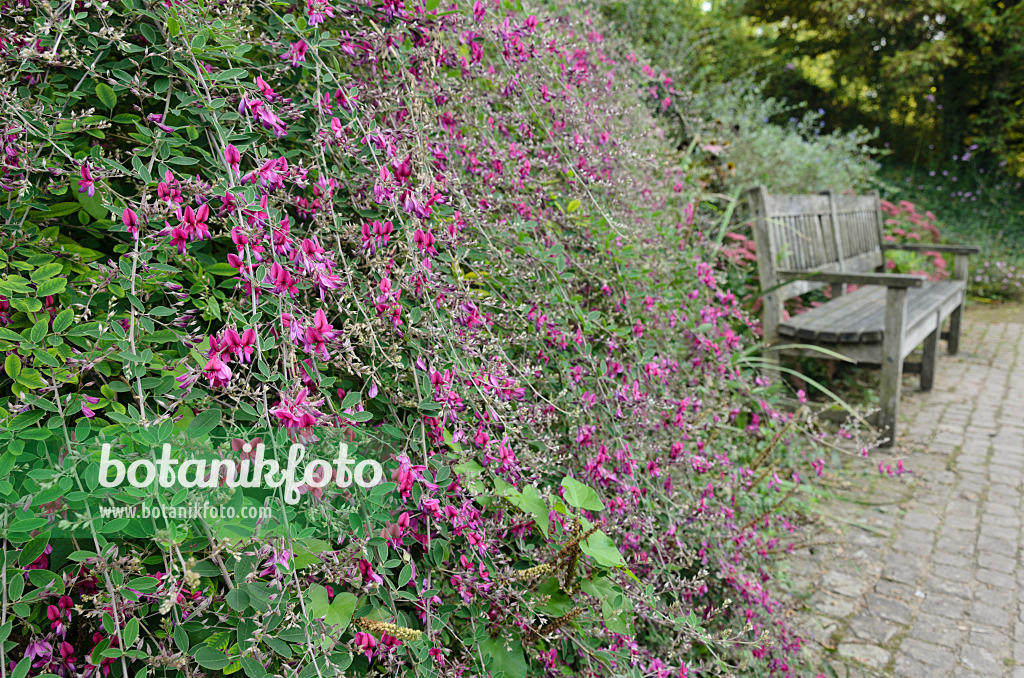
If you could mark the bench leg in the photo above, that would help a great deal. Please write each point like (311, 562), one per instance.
(953, 343)
(892, 362)
(960, 271)
(931, 350)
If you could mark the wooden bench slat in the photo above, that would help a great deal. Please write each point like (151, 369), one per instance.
(859, 317)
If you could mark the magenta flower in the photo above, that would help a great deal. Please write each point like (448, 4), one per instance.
(179, 239)
(296, 53)
(169, 189)
(265, 89)
(217, 372)
(366, 570)
(318, 11)
(86, 183)
(297, 413)
(318, 334)
(282, 280)
(365, 642)
(233, 158)
(131, 222)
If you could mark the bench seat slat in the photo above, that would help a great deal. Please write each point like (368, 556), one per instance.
(859, 317)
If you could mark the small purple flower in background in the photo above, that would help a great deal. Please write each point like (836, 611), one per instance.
(158, 120)
(318, 11)
(86, 183)
(86, 410)
(296, 53)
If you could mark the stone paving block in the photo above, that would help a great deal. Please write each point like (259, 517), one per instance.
(944, 632)
(1003, 547)
(844, 584)
(831, 605)
(901, 568)
(951, 573)
(998, 641)
(888, 609)
(906, 667)
(873, 629)
(944, 605)
(871, 655)
(996, 561)
(981, 660)
(927, 653)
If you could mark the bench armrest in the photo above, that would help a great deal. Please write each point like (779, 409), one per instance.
(888, 279)
(924, 247)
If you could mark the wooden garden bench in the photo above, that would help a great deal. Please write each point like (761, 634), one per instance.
(807, 241)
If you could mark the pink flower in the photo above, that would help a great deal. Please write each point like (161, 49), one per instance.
(366, 570)
(296, 53)
(296, 412)
(86, 183)
(179, 238)
(131, 222)
(217, 371)
(318, 11)
(265, 89)
(282, 280)
(365, 642)
(233, 158)
(169, 189)
(425, 240)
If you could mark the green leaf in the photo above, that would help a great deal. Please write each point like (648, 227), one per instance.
(39, 331)
(206, 421)
(221, 269)
(106, 95)
(230, 73)
(173, 26)
(12, 366)
(530, 502)
(21, 670)
(6, 463)
(181, 639)
(33, 549)
(51, 287)
(351, 400)
(25, 419)
(342, 607)
(431, 5)
(131, 632)
(238, 599)
(212, 659)
(253, 668)
(602, 549)
(507, 657)
(61, 209)
(579, 495)
(63, 320)
(46, 272)
(405, 575)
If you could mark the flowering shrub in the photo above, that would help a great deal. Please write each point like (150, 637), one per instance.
(905, 225)
(448, 236)
(997, 281)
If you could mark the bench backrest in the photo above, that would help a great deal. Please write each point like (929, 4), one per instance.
(812, 232)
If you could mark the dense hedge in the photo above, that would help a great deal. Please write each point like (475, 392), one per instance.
(451, 236)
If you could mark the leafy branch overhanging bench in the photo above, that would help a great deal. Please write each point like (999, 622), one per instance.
(807, 241)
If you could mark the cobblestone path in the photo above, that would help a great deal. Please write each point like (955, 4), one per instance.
(925, 577)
